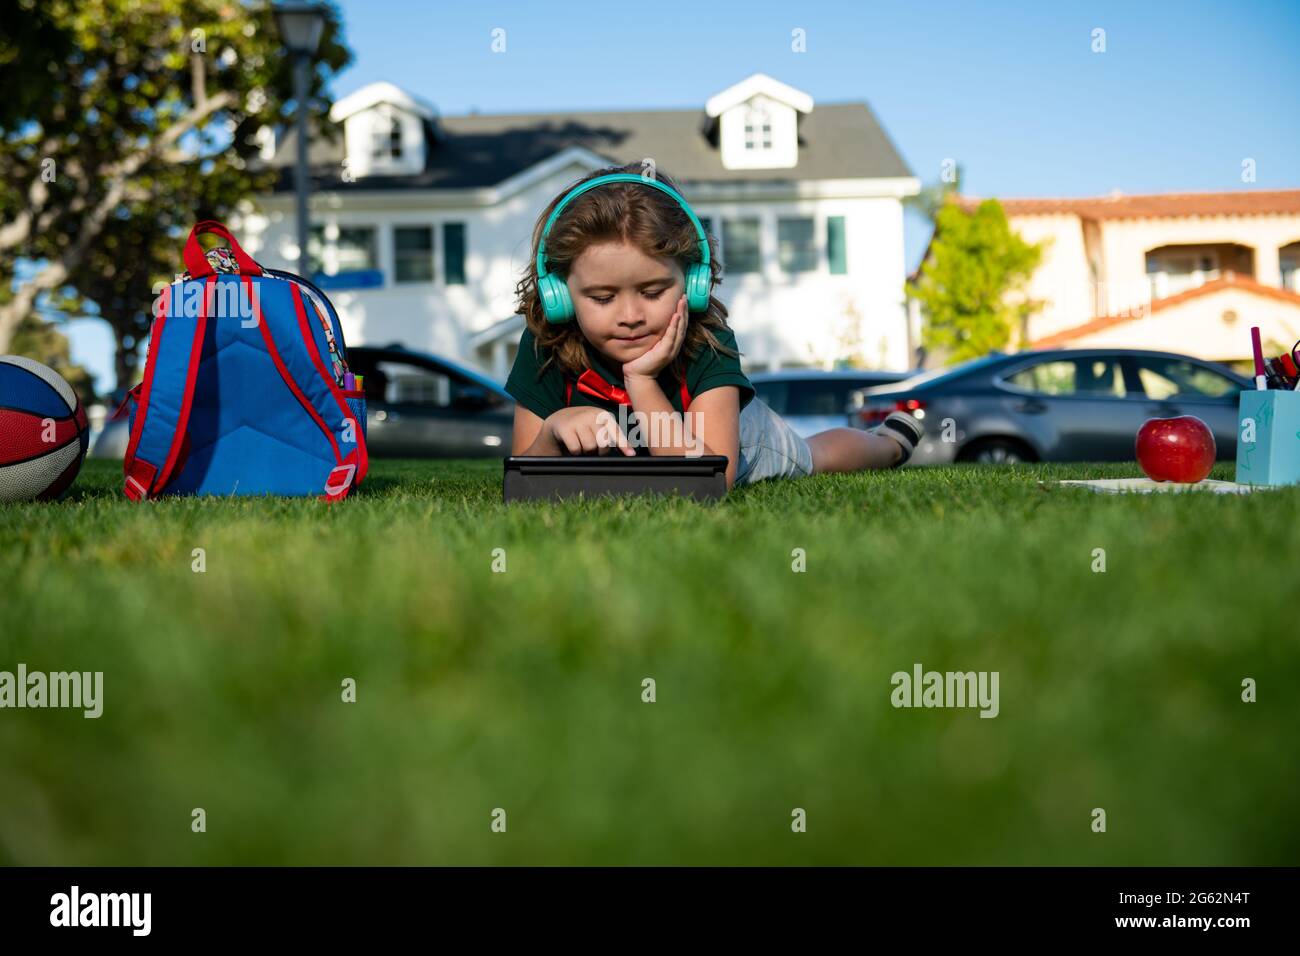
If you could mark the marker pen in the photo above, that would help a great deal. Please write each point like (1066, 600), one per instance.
(1261, 381)
(1275, 370)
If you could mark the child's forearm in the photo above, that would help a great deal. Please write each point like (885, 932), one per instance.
(648, 397)
(544, 444)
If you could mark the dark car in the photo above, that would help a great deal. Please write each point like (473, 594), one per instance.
(812, 400)
(1058, 405)
(418, 405)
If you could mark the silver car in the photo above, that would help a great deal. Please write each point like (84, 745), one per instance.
(1058, 405)
(812, 400)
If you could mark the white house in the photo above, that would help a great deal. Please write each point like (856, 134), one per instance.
(422, 222)
(1180, 272)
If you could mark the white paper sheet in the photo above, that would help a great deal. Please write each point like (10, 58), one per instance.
(1116, 486)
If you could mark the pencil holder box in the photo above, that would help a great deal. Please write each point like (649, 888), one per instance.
(1268, 437)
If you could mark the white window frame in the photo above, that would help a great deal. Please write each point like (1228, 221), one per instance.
(433, 252)
(817, 250)
(758, 129)
(329, 258)
(386, 131)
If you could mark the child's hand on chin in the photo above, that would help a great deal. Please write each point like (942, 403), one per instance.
(656, 358)
(583, 430)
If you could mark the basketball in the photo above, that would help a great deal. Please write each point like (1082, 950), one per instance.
(43, 433)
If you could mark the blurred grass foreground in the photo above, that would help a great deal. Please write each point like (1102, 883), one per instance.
(519, 695)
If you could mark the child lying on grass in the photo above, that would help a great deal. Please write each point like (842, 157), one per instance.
(609, 338)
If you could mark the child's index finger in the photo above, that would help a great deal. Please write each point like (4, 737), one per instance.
(609, 428)
(621, 442)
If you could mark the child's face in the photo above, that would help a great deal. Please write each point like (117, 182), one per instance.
(623, 298)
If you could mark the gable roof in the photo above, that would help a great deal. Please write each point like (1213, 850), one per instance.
(1244, 202)
(1229, 280)
(836, 141)
(758, 83)
(376, 93)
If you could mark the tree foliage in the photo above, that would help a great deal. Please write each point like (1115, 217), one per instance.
(128, 121)
(971, 283)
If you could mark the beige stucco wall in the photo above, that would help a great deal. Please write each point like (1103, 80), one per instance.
(1063, 281)
(1197, 327)
(1126, 241)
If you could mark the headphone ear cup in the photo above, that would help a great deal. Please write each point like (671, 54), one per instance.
(553, 292)
(698, 282)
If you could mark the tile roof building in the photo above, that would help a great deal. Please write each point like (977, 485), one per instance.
(1183, 272)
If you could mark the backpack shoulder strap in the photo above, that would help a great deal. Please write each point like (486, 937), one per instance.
(335, 323)
(166, 394)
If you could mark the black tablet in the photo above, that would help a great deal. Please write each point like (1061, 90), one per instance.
(703, 477)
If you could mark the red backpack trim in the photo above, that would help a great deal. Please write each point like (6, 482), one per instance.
(288, 379)
(358, 460)
(143, 479)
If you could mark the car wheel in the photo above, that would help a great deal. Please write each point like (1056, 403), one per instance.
(998, 451)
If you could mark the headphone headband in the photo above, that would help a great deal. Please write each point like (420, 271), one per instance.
(619, 178)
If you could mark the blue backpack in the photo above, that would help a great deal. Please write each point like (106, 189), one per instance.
(244, 386)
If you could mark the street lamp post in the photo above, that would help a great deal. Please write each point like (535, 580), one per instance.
(301, 26)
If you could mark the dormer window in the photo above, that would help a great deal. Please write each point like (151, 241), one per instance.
(386, 130)
(755, 123)
(758, 128)
(386, 138)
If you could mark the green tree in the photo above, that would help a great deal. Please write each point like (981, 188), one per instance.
(131, 119)
(971, 282)
(142, 248)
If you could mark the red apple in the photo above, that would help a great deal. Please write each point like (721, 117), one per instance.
(1176, 449)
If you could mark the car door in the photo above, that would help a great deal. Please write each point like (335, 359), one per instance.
(1174, 386)
(418, 408)
(1075, 407)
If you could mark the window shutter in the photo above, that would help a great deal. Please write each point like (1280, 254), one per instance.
(453, 250)
(835, 251)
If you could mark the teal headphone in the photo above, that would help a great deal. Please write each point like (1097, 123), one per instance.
(557, 304)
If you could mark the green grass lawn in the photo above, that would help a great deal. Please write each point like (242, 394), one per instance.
(522, 690)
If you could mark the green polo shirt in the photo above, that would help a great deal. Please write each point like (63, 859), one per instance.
(544, 395)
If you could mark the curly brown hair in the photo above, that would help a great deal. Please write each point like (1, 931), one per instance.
(647, 218)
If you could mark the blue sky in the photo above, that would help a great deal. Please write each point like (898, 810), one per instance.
(1013, 91)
